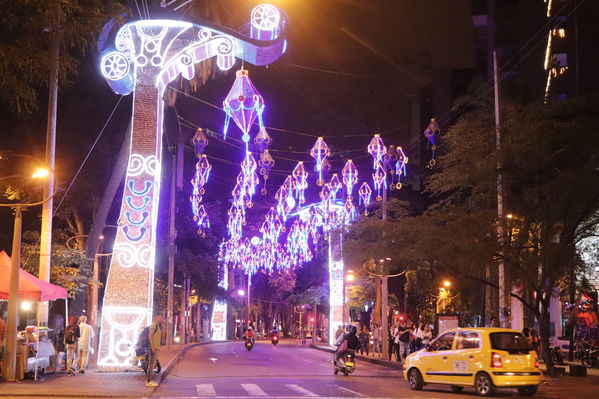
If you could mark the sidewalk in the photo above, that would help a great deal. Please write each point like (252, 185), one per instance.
(382, 361)
(94, 384)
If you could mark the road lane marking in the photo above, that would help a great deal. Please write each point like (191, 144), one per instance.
(347, 390)
(253, 390)
(206, 390)
(303, 391)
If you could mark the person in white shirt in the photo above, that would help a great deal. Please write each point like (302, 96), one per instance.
(86, 339)
(376, 340)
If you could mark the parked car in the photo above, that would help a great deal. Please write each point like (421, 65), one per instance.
(483, 358)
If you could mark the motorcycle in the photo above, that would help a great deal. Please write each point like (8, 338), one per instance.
(348, 366)
(591, 358)
(275, 340)
(142, 360)
(249, 344)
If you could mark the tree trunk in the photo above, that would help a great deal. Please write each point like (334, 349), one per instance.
(377, 302)
(99, 221)
(544, 331)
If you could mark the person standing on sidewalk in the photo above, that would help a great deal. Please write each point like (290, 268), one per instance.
(155, 336)
(71, 336)
(364, 339)
(86, 339)
(376, 338)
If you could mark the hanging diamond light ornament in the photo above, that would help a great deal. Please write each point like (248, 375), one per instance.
(350, 176)
(400, 166)
(199, 141)
(243, 104)
(250, 179)
(320, 151)
(265, 163)
(377, 149)
(431, 132)
(301, 177)
(365, 194)
(202, 221)
(349, 211)
(200, 178)
(335, 184)
(379, 178)
(262, 140)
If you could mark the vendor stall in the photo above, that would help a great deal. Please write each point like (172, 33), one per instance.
(35, 349)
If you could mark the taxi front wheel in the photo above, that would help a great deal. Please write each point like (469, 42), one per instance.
(527, 391)
(415, 380)
(484, 385)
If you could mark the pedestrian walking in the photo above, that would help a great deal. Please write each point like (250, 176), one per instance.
(376, 340)
(155, 337)
(85, 343)
(402, 340)
(364, 339)
(391, 338)
(535, 342)
(71, 336)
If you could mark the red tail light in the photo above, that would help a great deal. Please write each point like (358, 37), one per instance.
(537, 365)
(496, 360)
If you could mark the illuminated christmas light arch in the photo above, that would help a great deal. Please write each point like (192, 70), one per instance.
(146, 56)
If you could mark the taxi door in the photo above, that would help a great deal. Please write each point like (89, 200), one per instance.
(435, 362)
(468, 357)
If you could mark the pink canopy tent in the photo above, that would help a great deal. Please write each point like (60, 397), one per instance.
(30, 287)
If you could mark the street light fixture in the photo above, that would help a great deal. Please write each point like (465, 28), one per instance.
(41, 173)
(446, 283)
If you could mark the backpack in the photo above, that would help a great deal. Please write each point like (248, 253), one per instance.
(404, 336)
(144, 338)
(69, 335)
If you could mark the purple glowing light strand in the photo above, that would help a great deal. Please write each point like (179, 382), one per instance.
(243, 104)
(349, 211)
(320, 151)
(377, 149)
(379, 178)
(349, 175)
(431, 132)
(250, 179)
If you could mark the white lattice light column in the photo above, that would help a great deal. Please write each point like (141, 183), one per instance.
(146, 57)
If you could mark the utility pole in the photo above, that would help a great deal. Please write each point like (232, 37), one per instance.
(47, 210)
(248, 298)
(172, 234)
(10, 359)
(503, 284)
(384, 285)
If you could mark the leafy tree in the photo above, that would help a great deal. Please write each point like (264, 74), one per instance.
(550, 181)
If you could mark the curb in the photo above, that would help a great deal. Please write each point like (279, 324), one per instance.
(380, 362)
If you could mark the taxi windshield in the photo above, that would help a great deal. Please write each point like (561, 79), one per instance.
(513, 342)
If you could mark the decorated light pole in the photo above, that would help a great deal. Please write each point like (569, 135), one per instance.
(147, 56)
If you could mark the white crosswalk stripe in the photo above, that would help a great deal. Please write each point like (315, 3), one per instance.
(253, 390)
(302, 391)
(205, 390)
(346, 390)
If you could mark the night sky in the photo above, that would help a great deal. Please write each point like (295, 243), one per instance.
(351, 70)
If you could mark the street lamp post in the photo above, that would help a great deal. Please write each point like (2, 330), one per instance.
(10, 361)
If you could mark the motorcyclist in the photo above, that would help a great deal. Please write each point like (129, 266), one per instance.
(249, 334)
(351, 345)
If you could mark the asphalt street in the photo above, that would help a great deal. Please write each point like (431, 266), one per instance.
(227, 370)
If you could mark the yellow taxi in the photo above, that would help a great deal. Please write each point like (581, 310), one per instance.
(483, 358)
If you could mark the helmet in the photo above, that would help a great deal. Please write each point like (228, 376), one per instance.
(354, 329)
(249, 328)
